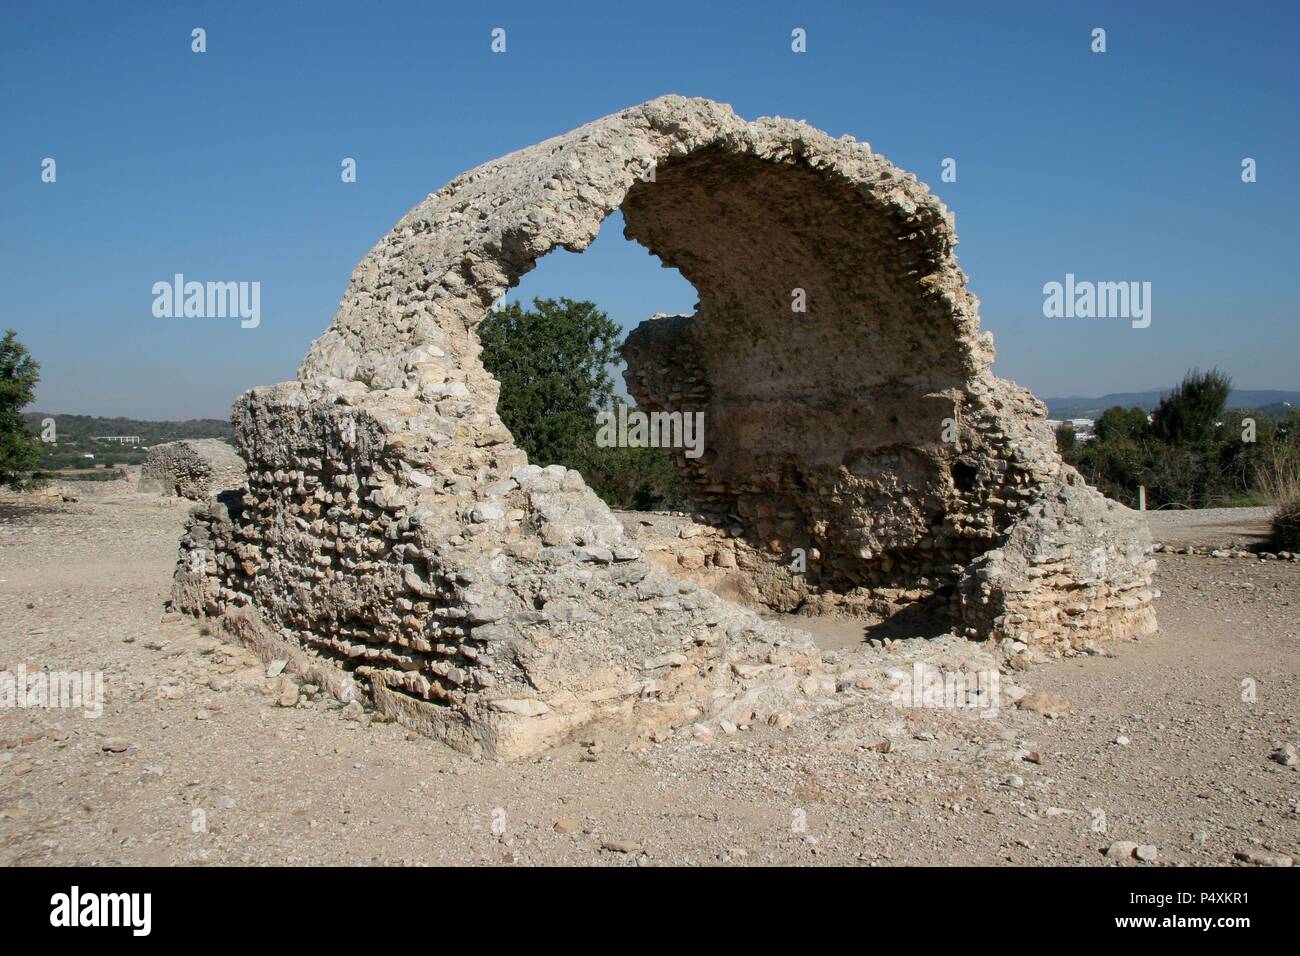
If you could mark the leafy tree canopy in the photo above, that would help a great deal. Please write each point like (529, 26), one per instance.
(20, 451)
(1120, 422)
(1191, 411)
(553, 362)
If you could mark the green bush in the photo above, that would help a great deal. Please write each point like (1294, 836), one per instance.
(1286, 525)
(1279, 481)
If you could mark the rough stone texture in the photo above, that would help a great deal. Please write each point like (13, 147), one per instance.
(391, 527)
(196, 468)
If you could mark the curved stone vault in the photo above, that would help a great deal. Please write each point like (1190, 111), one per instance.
(392, 538)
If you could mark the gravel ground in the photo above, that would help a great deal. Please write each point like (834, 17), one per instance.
(1210, 527)
(1171, 742)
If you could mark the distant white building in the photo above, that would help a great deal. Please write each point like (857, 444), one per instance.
(1083, 428)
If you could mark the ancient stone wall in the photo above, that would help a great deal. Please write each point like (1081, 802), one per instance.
(196, 468)
(499, 616)
(392, 537)
(864, 507)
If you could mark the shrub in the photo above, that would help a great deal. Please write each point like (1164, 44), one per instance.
(1279, 481)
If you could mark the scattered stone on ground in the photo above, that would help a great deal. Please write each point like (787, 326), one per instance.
(1205, 702)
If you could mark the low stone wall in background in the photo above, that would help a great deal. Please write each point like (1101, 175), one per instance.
(195, 468)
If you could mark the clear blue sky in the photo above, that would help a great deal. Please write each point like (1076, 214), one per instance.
(225, 165)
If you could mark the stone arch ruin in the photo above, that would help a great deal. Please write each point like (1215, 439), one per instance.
(392, 538)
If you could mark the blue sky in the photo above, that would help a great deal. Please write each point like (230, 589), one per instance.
(225, 165)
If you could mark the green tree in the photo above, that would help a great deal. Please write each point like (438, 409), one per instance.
(1115, 466)
(1121, 422)
(1194, 453)
(634, 479)
(1066, 438)
(20, 452)
(553, 364)
(1241, 448)
(1191, 411)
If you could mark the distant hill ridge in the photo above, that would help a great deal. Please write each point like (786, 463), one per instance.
(1271, 401)
(76, 425)
(75, 437)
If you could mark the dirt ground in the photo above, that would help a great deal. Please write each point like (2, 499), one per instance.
(1167, 743)
(1210, 527)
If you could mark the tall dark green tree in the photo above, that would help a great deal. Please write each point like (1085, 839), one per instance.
(1190, 413)
(20, 452)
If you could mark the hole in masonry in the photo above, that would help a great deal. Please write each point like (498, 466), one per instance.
(964, 476)
(553, 343)
(796, 325)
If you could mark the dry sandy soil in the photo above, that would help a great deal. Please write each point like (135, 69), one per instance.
(1210, 527)
(205, 767)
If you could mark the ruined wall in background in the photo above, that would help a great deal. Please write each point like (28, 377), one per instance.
(196, 468)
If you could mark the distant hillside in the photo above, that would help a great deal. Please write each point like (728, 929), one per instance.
(1270, 401)
(77, 436)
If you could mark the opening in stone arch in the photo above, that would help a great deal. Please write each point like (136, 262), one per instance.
(393, 539)
(829, 373)
(607, 288)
